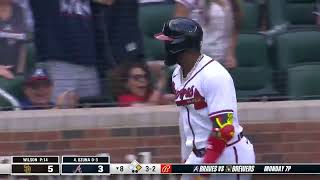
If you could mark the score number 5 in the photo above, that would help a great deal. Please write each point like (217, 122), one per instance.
(50, 168)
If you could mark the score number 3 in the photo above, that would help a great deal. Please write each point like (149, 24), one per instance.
(100, 169)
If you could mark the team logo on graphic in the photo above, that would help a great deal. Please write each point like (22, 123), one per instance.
(196, 169)
(27, 168)
(78, 169)
(166, 168)
(228, 169)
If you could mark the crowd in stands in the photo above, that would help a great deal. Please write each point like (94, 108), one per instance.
(85, 49)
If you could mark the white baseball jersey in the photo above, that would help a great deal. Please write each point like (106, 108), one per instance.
(207, 91)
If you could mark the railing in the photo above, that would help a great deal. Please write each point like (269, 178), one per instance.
(12, 100)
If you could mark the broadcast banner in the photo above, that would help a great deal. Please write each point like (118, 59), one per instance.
(214, 169)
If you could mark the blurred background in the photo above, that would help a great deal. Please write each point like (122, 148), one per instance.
(101, 53)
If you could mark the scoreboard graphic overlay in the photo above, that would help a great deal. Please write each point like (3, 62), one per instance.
(85, 165)
(35, 165)
(100, 165)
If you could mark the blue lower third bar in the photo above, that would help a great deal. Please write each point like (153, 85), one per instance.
(86, 169)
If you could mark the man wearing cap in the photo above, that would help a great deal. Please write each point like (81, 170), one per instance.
(37, 89)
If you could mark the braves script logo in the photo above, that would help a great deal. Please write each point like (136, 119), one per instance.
(166, 168)
(192, 96)
(185, 92)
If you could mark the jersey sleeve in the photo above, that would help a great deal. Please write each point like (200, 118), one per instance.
(190, 4)
(219, 93)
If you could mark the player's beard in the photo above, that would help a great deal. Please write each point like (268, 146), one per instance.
(170, 59)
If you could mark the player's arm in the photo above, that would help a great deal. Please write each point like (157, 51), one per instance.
(222, 132)
(220, 96)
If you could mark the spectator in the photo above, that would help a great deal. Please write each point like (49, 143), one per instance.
(64, 40)
(5, 71)
(37, 89)
(132, 86)
(220, 20)
(12, 36)
(118, 22)
(104, 56)
(27, 13)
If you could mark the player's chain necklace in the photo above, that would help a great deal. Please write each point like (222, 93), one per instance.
(191, 71)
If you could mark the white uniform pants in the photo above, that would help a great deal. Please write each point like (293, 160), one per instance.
(239, 153)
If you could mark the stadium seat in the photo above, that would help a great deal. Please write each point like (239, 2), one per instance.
(303, 81)
(291, 49)
(297, 47)
(151, 19)
(300, 12)
(253, 76)
(250, 20)
(292, 12)
(276, 12)
(13, 87)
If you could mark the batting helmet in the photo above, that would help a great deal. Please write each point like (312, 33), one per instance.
(180, 34)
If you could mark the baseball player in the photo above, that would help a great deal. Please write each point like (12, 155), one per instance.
(205, 93)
